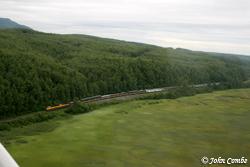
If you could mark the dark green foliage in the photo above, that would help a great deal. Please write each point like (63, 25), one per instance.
(78, 108)
(246, 84)
(30, 119)
(4, 127)
(39, 69)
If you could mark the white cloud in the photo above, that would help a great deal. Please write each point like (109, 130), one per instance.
(214, 25)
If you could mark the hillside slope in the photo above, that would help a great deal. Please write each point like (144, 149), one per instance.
(39, 69)
(7, 23)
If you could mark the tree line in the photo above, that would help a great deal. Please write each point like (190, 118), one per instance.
(38, 70)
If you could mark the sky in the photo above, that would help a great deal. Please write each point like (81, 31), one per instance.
(206, 25)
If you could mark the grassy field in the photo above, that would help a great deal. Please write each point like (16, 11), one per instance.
(143, 133)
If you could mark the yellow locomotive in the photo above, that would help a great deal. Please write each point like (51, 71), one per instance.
(60, 106)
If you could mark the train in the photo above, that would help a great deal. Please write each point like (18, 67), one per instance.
(99, 98)
(115, 95)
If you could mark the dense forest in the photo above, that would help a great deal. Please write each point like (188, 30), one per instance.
(39, 69)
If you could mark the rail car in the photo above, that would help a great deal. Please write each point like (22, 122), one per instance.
(105, 96)
(136, 92)
(60, 106)
(154, 90)
(91, 98)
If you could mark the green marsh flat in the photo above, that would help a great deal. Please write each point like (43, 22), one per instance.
(144, 133)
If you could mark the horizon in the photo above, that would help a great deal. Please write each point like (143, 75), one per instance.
(217, 26)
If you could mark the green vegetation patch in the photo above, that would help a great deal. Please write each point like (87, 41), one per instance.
(159, 133)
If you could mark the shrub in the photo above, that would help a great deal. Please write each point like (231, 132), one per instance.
(78, 108)
(4, 126)
(30, 119)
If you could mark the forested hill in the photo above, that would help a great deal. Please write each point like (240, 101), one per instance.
(7, 23)
(38, 69)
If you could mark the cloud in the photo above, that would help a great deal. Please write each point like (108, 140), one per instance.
(214, 25)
